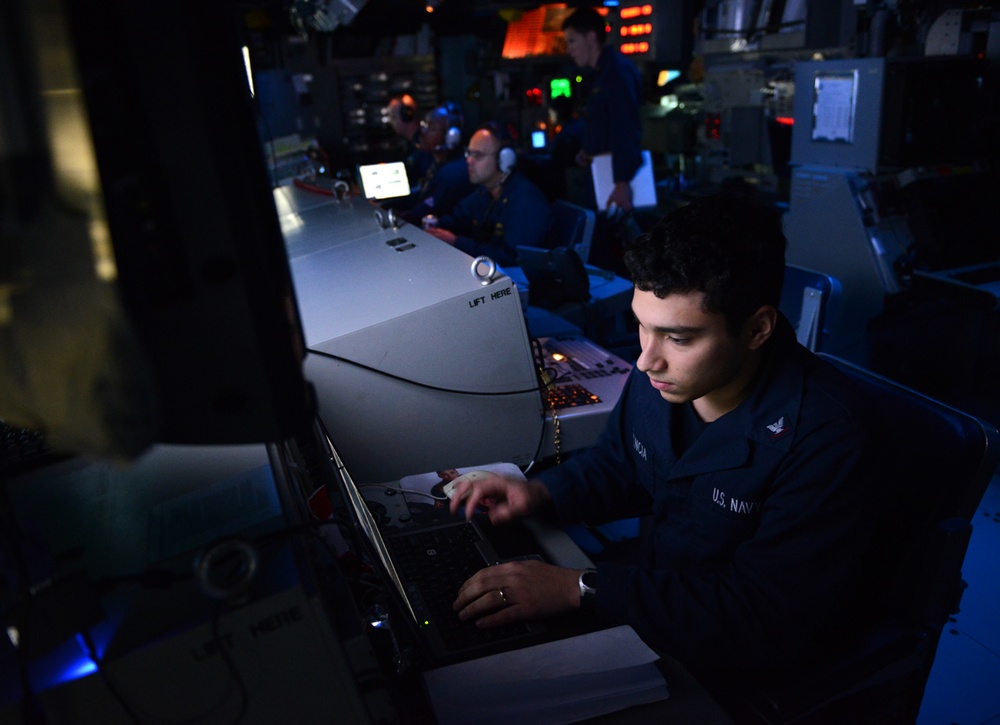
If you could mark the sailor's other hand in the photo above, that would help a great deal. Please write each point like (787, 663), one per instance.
(517, 591)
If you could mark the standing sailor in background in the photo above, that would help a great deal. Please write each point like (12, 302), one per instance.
(612, 121)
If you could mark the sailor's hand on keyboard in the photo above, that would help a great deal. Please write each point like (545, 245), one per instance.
(517, 591)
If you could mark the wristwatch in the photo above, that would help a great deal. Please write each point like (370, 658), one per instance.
(588, 587)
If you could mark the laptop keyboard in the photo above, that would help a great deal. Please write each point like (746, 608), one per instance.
(20, 447)
(441, 559)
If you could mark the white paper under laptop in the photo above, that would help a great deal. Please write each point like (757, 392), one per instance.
(643, 185)
(557, 682)
(384, 181)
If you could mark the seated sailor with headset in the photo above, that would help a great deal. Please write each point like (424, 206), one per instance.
(446, 182)
(505, 212)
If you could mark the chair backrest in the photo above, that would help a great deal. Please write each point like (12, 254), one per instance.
(809, 300)
(943, 460)
(572, 227)
(555, 276)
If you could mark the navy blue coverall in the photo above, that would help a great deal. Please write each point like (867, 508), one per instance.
(756, 529)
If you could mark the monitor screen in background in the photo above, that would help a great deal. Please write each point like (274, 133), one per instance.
(665, 76)
(560, 88)
(834, 104)
(384, 181)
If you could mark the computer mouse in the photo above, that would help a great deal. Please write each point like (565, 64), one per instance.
(449, 487)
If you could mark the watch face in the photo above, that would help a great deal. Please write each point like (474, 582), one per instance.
(590, 579)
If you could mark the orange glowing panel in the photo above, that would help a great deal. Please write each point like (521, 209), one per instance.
(536, 32)
(633, 48)
(637, 29)
(635, 12)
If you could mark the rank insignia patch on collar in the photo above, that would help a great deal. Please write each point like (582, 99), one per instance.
(777, 428)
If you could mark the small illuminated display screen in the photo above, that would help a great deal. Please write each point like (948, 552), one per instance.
(384, 181)
(665, 76)
(538, 139)
(560, 87)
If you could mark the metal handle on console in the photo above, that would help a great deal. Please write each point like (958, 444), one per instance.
(491, 270)
(386, 218)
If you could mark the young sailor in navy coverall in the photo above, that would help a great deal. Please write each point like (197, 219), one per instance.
(753, 457)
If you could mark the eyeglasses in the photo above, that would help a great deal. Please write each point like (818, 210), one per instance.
(477, 155)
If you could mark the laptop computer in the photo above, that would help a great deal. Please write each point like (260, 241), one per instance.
(384, 181)
(425, 562)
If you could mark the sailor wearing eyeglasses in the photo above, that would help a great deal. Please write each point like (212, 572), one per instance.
(505, 211)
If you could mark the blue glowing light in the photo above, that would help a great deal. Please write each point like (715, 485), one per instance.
(67, 662)
(83, 667)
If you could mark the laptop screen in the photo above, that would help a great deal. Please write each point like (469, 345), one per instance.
(384, 181)
(364, 519)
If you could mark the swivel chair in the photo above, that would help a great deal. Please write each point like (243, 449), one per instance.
(809, 300)
(944, 460)
(572, 227)
(597, 299)
(556, 273)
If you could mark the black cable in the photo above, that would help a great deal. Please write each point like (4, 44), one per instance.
(539, 388)
(163, 578)
(10, 529)
(413, 491)
(146, 579)
(427, 386)
(102, 673)
(374, 588)
(31, 706)
(230, 664)
(540, 369)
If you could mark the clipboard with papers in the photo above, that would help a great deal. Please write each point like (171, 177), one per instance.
(643, 185)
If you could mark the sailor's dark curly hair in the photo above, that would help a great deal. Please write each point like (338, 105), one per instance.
(727, 245)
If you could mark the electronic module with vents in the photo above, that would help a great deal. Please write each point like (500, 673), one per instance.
(584, 384)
